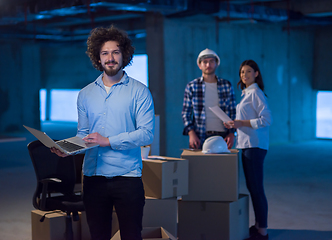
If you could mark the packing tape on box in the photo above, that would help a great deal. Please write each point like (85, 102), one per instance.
(175, 167)
(175, 181)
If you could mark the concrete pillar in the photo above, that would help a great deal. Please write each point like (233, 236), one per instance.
(19, 91)
(31, 84)
(155, 52)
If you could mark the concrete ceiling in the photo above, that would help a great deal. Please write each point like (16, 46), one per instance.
(72, 20)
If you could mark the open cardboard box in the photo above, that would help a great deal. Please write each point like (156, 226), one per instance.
(151, 233)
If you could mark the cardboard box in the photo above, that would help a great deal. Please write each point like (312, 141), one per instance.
(85, 232)
(53, 227)
(151, 233)
(212, 177)
(161, 213)
(214, 220)
(165, 178)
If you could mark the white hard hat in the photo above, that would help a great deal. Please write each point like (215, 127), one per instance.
(206, 53)
(215, 144)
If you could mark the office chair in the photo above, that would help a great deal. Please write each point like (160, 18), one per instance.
(56, 178)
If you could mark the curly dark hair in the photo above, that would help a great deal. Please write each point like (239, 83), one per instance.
(100, 35)
(258, 79)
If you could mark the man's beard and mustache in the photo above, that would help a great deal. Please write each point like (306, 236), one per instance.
(210, 71)
(112, 71)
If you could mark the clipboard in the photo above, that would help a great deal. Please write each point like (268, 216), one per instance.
(220, 114)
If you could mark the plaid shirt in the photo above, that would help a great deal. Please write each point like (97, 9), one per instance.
(193, 111)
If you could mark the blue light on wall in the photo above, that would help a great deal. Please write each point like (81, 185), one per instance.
(42, 104)
(139, 68)
(63, 105)
(324, 115)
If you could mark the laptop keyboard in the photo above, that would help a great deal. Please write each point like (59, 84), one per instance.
(68, 146)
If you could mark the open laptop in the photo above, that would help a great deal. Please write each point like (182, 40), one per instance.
(69, 145)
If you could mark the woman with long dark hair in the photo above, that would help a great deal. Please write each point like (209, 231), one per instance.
(253, 118)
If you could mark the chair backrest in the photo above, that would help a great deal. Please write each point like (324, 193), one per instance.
(49, 165)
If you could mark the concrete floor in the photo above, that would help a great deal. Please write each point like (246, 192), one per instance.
(298, 182)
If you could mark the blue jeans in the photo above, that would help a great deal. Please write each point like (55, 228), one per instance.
(252, 161)
(126, 194)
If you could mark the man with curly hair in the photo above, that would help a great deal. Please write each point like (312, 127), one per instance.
(117, 112)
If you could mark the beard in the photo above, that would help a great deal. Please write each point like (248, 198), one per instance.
(112, 71)
(210, 72)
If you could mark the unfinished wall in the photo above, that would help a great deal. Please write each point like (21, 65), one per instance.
(286, 62)
(66, 66)
(19, 88)
(322, 64)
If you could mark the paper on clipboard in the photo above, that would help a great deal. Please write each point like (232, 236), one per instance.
(220, 114)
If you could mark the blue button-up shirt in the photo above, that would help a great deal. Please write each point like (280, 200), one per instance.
(125, 116)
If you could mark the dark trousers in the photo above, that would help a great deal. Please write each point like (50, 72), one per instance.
(252, 161)
(126, 194)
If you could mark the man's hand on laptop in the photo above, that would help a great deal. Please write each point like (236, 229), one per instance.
(58, 152)
(97, 138)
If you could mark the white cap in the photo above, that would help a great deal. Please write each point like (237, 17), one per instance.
(215, 144)
(206, 53)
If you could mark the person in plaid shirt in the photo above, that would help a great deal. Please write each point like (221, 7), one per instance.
(204, 92)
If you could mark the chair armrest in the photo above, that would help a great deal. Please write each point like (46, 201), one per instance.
(51, 180)
(44, 191)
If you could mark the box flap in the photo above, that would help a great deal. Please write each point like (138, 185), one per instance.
(199, 153)
(165, 233)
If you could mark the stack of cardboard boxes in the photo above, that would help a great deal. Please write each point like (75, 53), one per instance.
(165, 179)
(213, 208)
